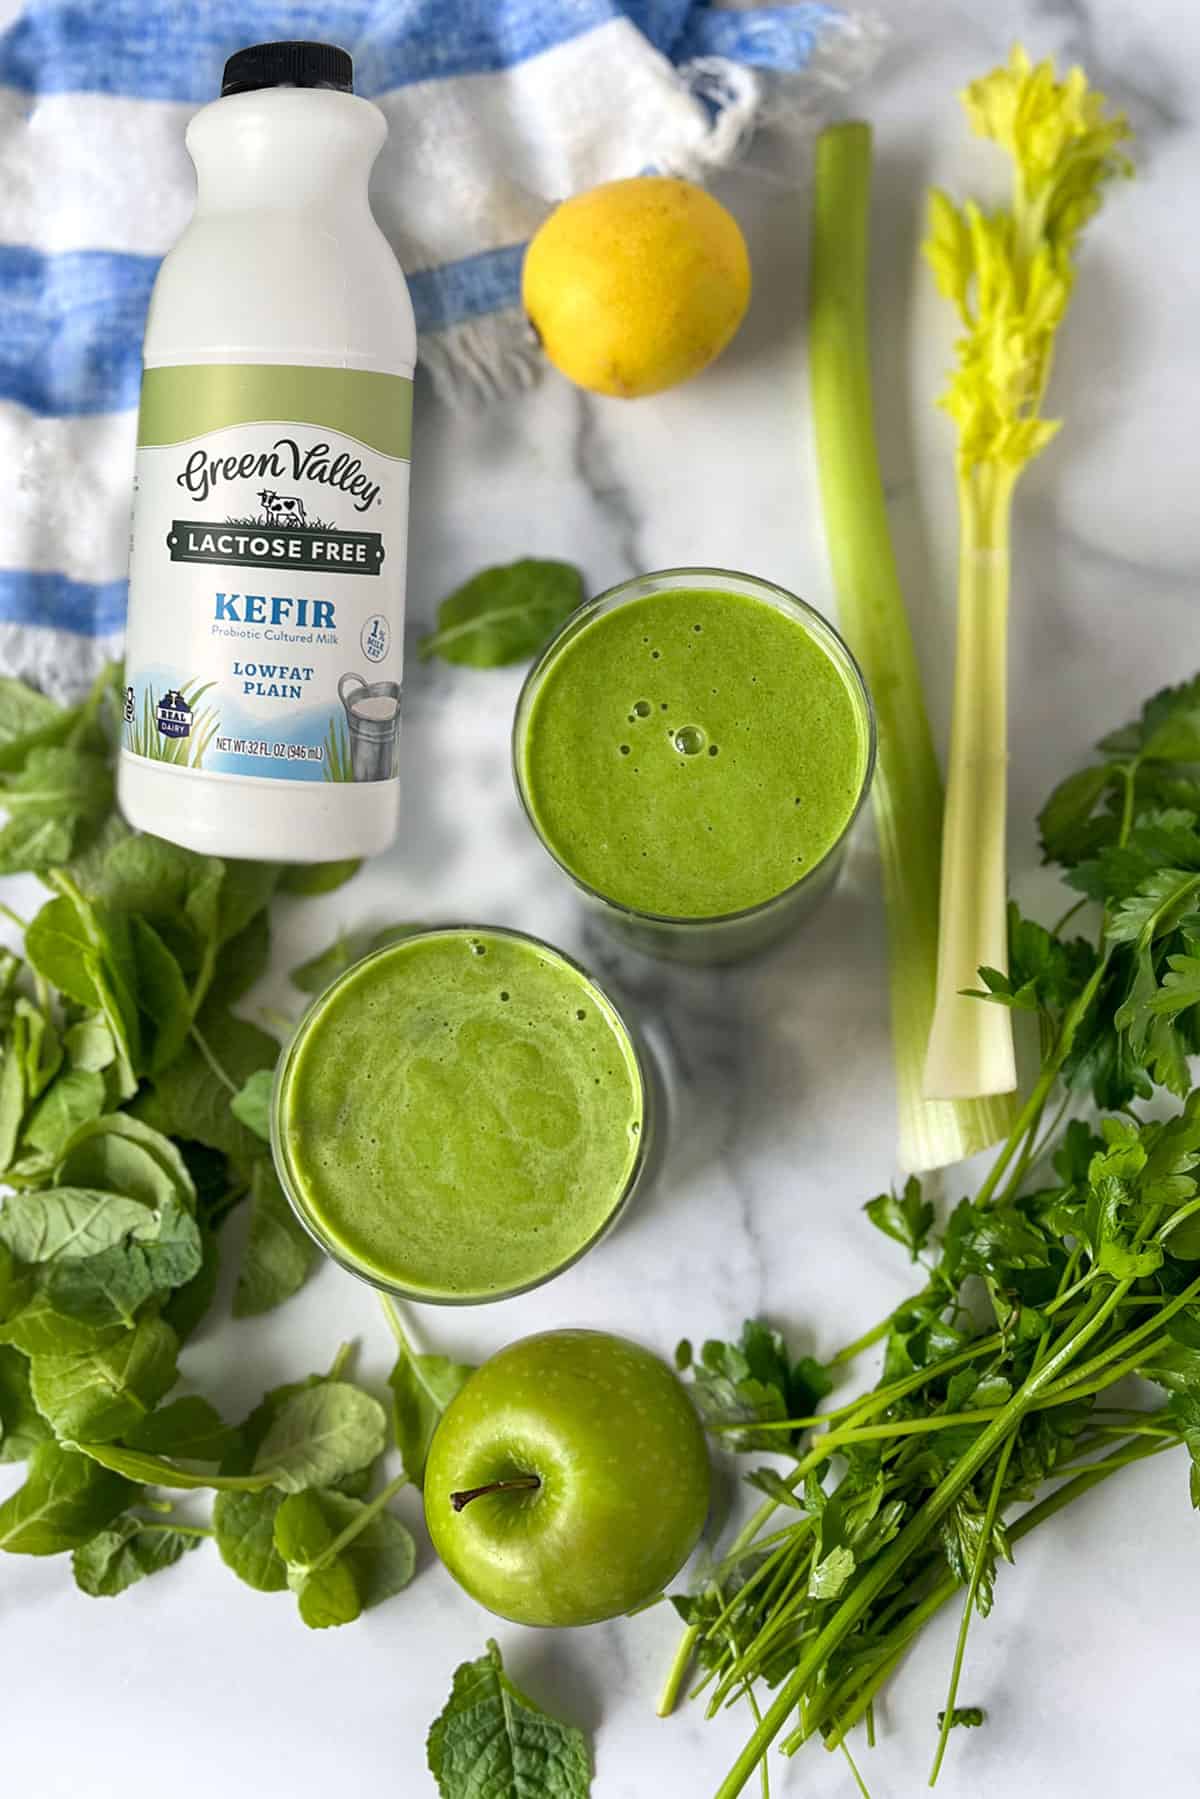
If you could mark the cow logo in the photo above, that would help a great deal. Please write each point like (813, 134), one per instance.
(376, 637)
(282, 508)
(173, 715)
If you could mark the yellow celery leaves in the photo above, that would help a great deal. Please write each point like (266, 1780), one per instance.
(1009, 273)
(1064, 143)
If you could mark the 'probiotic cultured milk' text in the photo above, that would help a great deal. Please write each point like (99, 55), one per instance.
(266, 603)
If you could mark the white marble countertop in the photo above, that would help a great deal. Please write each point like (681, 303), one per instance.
(783, 1119)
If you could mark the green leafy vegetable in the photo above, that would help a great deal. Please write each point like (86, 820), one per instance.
(67, 1223)
(341, 1554)
(113, 1286)
(193, 1097)
(22, 1426)
(100, 1394)
(279, 1253)
(738, 1386)
(244, 1526)
(375, 1544)
(190, 1427)
(316, 974)
(127, 1551)
(65, 1500)
(252, 1105)
(422, 1387)
(504, 614)
(159, 1471)
(492, 1742)
(908, 1218)
(72, 1100)
(128, 1093)
(312, 878)
(320, 1434)
(120, 1154)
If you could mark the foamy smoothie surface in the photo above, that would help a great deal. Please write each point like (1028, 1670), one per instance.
(460, 1114)
(693, 753)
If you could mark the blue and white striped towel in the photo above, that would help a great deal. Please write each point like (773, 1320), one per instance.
(496, 109)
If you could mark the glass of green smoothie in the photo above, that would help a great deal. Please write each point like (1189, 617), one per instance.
(692, 748)
(461, 1115)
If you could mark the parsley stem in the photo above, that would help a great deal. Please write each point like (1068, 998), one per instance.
(1085, 1280)
(858, 1779)
(948, 1585)
(770, 1567)
(878, 1399)
(1031, 1111)
(982, 1549)
(1124, 1344)
(1036, 1147)
(1129, 776)
(883, 1570)
(850, 1350)
(908, 1427)
(677, 1673)
(1071, 911)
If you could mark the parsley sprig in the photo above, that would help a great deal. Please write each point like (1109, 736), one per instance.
(1075, 1264)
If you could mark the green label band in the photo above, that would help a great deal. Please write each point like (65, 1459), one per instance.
(187, 402)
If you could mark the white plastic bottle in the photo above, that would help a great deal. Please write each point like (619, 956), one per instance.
(266, 603)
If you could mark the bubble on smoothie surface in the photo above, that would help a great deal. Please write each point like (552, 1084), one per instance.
(689, 740)
(642, 708)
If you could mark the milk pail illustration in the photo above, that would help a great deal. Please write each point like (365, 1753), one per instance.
(373, 718)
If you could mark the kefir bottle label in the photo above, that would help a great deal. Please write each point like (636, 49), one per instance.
(269, 550)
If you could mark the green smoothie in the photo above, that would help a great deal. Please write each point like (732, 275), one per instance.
(693, 753)
(460, 1115)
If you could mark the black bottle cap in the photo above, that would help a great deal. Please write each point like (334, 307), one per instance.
(292, 64)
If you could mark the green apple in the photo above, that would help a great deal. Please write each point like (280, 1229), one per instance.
(569, 1479)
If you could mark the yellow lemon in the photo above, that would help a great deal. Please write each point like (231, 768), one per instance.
(636, 285)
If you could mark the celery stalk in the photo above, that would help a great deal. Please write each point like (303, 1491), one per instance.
(971, 1045)
(1009, 275)
(907, 792)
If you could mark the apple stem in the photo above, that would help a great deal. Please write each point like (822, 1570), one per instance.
(520, 1483)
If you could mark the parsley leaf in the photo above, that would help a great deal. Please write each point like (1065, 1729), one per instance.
(750, 1382)
(908, 1219)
